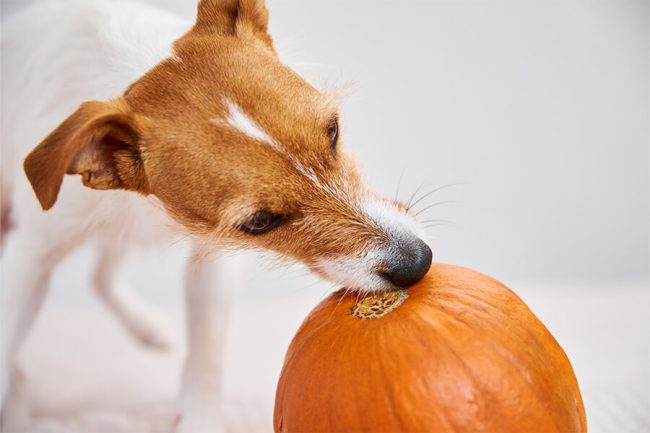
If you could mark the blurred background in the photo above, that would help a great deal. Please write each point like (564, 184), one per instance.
(531, 118)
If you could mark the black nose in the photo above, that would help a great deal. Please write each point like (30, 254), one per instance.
(409, 265)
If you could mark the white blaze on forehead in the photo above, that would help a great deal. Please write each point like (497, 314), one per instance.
(242, 122)
(173, 56)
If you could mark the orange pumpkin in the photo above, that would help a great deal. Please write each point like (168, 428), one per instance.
(456, 352)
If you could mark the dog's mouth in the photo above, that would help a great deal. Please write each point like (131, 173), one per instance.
(350, 276)
(400, 259)
(378, 271)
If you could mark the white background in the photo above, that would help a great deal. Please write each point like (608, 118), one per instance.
(538, 110)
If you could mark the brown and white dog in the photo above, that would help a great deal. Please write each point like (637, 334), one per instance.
(213, 134)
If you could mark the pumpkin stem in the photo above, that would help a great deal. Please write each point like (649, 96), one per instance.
(378, 304)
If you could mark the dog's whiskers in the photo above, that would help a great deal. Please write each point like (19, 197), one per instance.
(440, 203)
(412, 197)
(399, 184)
(433, 191)
(438, 221)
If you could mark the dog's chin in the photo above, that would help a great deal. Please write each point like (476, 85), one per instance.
(352, 277)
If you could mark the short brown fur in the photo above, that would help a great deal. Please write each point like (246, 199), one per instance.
(162, 137)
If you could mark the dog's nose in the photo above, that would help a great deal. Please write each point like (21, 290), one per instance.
(410, 265)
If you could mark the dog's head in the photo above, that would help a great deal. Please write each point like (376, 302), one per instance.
(239, 148)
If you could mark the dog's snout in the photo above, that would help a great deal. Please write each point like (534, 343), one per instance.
(410, 265)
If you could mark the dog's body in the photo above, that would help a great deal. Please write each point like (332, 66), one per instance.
(55, 56)
(215, 131)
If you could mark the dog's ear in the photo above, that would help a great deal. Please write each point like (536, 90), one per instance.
(100, 141)
(234, 17)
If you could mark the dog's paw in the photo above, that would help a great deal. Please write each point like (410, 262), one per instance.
(200, 412)
(16, 412)
(194, 425)
(202, 421)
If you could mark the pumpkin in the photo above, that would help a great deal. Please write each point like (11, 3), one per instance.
(456, 352)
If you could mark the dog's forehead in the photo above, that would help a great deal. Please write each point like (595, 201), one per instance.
(236, 86)
(238, 83)
(203, 76)
(257, 89)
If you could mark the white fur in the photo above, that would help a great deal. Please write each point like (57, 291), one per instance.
(392, 220)
(240, 121)
(355, 273)
(56, 55)
(359, 273)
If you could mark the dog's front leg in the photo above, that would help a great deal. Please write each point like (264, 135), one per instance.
(209, 284)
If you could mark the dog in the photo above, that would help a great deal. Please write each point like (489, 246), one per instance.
(166, 127)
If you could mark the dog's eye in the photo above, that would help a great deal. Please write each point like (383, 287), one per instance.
(333, 134)
(261, 222)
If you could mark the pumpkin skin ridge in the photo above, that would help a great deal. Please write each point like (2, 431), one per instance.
(521, 305)
(311, 335)
(342, 307)
(355, 393)
(567, 379)
(326, 323)
(409, 318)
(419, 320)
(557, 393)
(402, 421)
(357, 390)
(402, 322)
(378, 364)
(377, 335)
(496, 402)
(509, 296)
(469, 371)
(397, 415)
(390, 395)
(516, 362)
(534, 339)
(304, 326)
(439, 334)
